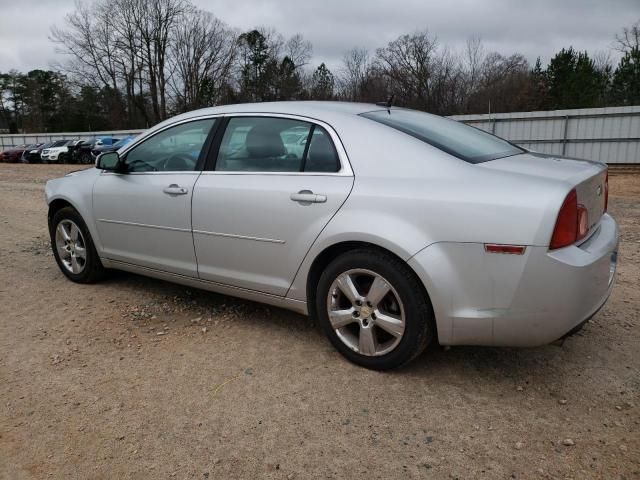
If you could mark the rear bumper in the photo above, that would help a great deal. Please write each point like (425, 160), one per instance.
(517, 300)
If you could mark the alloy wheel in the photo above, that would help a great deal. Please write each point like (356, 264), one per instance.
(71, 246)
(366, 312)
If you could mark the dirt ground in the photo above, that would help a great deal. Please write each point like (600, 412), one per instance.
(137, 378)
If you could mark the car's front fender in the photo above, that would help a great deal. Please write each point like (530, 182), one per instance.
(76, 189)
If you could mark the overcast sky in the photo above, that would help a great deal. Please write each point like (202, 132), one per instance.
(532, 27)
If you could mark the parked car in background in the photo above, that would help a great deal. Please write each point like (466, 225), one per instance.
(31, 154)
(80, 152)
(12, 154)
(104, 141)
(57, 152)
(394, 228)
(97, 150)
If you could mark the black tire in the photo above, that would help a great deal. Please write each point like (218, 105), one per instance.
(86, 158)
(419, 329)
(93, 270)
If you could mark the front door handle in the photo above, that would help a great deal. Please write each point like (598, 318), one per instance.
(174, 189)
(307, 196)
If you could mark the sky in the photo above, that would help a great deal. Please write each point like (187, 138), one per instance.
(531, 27)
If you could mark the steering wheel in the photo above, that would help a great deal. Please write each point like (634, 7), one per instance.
(177, 157)
(147, 166)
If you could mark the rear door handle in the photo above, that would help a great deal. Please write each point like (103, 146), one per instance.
(174, 189)
(307, 196)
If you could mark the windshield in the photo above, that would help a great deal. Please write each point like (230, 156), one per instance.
(467, 143)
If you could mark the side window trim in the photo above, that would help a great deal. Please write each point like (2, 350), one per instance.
(303, 164)
(345, 164)
(216, 141)
(206, 148)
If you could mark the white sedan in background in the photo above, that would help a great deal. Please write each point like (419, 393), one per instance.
(395, 228)
(58, 151)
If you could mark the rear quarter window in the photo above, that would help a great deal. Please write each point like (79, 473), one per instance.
(462, 141)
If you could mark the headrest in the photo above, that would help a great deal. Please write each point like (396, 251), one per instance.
(264, 141)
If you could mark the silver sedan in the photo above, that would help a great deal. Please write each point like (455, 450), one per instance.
(395, 228)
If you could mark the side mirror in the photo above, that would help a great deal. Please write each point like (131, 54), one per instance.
(109, 161)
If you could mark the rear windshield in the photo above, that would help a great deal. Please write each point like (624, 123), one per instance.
(467, 143)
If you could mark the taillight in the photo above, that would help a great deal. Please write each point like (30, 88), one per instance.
(606, 191)
(566, 229)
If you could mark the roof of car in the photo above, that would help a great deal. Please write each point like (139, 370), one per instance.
(317, 109)
(299, 108)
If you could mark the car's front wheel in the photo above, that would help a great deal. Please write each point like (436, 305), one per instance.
(73, 247)
(86, 158)
(374, 309)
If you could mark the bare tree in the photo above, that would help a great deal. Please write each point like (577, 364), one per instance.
(602, 60)
(155, 22)
(91, 44)
(298, 50)
(88, 44)
(203, 52)
(356, 66)
(420, 74)
(628, 39)
(473, 59)
(505, 84)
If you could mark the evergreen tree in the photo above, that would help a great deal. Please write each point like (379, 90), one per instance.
(323, 83)
(625, 88)
(257, 66)
(573, 81)
(288, 82)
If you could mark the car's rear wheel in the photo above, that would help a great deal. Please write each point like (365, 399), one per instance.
(374, 309)
(73, 247)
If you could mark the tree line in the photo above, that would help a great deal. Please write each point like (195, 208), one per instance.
(134, 63)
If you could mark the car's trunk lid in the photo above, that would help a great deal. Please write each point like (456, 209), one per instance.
(587, 177)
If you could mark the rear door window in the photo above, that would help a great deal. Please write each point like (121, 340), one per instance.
(269, 144)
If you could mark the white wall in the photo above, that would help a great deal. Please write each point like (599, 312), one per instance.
(29, 138)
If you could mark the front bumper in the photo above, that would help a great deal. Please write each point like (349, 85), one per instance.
(517, 300)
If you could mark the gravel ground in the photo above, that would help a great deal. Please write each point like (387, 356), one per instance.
(137, 378)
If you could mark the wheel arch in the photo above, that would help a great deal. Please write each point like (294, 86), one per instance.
(56, 205)
(322, 260)
(59, 202)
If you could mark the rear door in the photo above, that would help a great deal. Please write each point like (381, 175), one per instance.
(266, 196)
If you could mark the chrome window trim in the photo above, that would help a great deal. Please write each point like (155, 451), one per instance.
(345, 164)
(175, 172)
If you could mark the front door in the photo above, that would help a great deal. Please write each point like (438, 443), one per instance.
(276, 183)
(143, 215)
